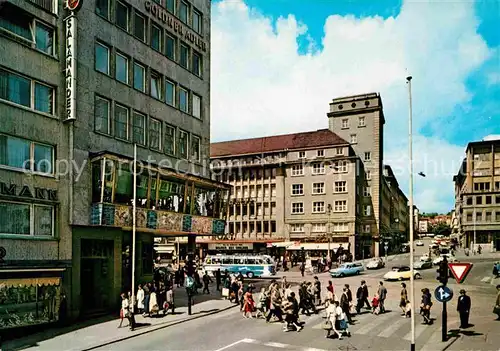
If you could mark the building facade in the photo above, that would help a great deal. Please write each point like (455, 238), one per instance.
(82, 83)
(304, 190)
(477, 196)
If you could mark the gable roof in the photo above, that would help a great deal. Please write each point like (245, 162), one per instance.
(304, 140)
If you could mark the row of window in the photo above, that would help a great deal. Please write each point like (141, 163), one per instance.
(182, 9)
(130, 125)
(319, 227)
(26, 92)
(252, 227)
(154, 35)
(256, 209)
(361, 122)
(133, 73)
(483, 200)
(318, 168)
(321, 153)
(26, 29)
(254, 191)
(26, 219)
(320, 207)
(319, 188)
(26, 155)
(486, 186)
(488, 216)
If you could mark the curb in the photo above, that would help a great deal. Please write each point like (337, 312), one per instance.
(152, 329)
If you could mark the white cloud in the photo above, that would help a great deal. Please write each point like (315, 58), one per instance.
(261, 85)
(492, 137)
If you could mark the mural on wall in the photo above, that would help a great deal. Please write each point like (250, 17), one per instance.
(123, 216)
(218, 226)
(186, 223)
(169, 221)
(141, 218)
(201, 225)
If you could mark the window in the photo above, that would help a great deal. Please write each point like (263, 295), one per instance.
(318, 168)
(297, 170)
(345, 123)
(102, 8)
(488, 216)
(121, 122)
(368, 156)
(339, 150)
(319, 228)
(156, 37)
(321, 153)
(196, 64)
(184, 59)
(361, 121)
(469, 217)
(26, 155)
(479, 216)
(183, 144)
(26, 92)
(102, 58)
(170, 140)
(297, 207)
(183, 100)
(170, 93)
(197, 22)
(469, 200)
(139, 77)
(367, 191)
(497, 199)
(354, 139)
(318, 188)
(170, 5)
(139, 126)
(26, 219)
(482, 186)
(195, 148)
(340, 227)
(302, 154)
(121, 68)
(368, 174)
(479, 200)
(184, 12)
(154, 134)
(156, 85)
(122, 11)
(497, 216)
(367, 228)
(139, 27)
(297, 189)
(341, 167)
(487, 200)
(101, 115)
(44, 38)
(367, 210)
(170, 42)
(297, 228)
(340, 186)
(318, 207)
(340, 206)
(196, 106)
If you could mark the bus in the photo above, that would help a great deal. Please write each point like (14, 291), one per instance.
(248, 265)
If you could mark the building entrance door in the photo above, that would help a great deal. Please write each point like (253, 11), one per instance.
(96, 277)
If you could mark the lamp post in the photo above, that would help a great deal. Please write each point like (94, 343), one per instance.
(410, 160)
(329, 232)
(134, 207)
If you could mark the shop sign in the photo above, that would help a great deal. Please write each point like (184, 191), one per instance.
(70, 68)
(230, 247)
(73, 5)
(26, 192)
(174, 24)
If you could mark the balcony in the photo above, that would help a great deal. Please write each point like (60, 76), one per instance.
(168, 202)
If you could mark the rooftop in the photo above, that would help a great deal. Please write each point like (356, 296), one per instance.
(275, 143)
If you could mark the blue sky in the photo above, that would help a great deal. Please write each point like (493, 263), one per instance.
(288, 58)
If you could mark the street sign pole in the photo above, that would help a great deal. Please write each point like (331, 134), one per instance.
(444, 326)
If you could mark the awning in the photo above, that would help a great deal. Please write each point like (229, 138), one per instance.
(282, 244)
(17, 282)
(316, 246)
(165, 249)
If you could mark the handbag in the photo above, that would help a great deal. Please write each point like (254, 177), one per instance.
(327, 325)
(496, 309)
(225, 292)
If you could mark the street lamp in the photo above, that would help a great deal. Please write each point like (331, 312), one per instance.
(329, 231)
(410, 159)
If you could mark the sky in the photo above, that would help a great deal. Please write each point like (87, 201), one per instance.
(276, 65)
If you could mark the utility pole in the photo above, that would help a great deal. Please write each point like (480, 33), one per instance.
(329, 232)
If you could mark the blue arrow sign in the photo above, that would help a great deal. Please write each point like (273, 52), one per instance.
(443, 294)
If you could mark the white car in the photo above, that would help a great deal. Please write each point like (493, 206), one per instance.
(401, 273)
(375, 263)
(439, 259)
(425, 258)
(419, 243)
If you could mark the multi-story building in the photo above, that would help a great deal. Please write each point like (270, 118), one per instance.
(477, 195)
(314, 186)
(84, 82)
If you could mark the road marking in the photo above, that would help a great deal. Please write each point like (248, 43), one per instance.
(271, 344)
(377, 320)
(277, 345)
(418, 331)
(486, 279)
(391, 329)
(231, 345)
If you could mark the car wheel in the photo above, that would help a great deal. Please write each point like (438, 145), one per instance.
(358, 272)
(341, 275)
(418, 276)
(250, 275)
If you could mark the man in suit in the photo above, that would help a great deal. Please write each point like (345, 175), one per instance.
(463, 308)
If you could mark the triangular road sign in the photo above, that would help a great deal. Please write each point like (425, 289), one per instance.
(460, 270)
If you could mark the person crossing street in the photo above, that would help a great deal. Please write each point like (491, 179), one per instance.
(463, 308)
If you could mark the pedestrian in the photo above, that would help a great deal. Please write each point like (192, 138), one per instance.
(291, 310)
(317, 290)
(330, 291)
(262, 303)
(147, 295)
(345, 305)
(463, 308)
(140, 299)
(362, 297)
(302, 268)
(275, 305)
(206, 281)
(126, 312)
(249, 304)
(382, 295)
(496, 309)
(218, 279)
(169, 300)
(349, 297)
(404, 298)
(426, 305)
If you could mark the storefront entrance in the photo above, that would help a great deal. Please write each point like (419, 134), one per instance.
(96, 276)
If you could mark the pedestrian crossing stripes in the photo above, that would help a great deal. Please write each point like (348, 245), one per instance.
(271, 345)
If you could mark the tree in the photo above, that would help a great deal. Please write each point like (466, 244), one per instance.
(441, 228)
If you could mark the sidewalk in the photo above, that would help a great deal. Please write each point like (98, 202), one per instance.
(82, 336)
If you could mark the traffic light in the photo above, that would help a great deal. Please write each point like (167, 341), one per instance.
(190, 266)
(442, 272)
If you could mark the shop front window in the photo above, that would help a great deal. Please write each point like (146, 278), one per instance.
(124, 185)
(171, 195)
(97, 181)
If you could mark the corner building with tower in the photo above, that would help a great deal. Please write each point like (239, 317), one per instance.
(80, 85)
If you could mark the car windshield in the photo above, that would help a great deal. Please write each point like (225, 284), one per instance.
(343, 266)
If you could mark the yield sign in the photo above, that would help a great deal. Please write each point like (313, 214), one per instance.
(460, 270)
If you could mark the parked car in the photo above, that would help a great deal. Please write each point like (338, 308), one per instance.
(422, 264)
(375, 263)
(346, 269)
(425, 258)
(449, 257)
(496, 269)
(401, 273)
(419, 243)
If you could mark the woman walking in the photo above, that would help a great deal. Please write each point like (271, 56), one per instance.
(425, 307)
(140, 299)
(404, 299)
(249, 304)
